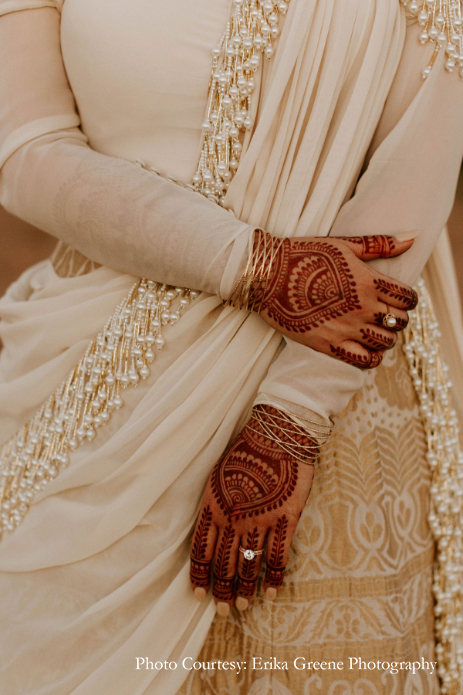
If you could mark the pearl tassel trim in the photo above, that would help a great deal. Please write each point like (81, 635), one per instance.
(251, 30)
(115, 360)
(442, 23)
(120, 354)
(445, 457)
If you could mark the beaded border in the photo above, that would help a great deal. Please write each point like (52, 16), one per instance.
(121, 353)
(442, 24)
(251, 31)
(429, 372)
(118, 358)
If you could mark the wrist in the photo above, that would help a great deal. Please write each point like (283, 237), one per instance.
(250, 291)
(299, 438)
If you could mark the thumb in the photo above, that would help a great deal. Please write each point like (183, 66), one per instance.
(380, 246)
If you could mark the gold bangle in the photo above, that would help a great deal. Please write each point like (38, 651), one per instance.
(281, 427)
(249, 292)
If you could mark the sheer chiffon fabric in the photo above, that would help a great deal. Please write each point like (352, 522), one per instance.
(101, 561)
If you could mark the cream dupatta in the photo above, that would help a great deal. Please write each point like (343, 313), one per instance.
(295, 174)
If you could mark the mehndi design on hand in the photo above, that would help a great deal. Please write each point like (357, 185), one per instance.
(200, 568)
(256, 476)
(248, 570)
(370, 361)
(257, 488)
(375, 340)
(224, 569)
(322, 293)
(401, 324)
(311, 284)
(276, 556)
(406, 297)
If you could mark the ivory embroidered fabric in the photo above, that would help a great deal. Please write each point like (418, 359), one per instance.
(115, 562)
(358, 560)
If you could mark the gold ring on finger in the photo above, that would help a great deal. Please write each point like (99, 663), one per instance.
(250, 554)
(389, 321)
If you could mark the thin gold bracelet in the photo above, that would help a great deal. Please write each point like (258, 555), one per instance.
(249, 291)
(273, 427)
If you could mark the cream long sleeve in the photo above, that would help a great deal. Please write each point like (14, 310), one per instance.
(133, 221)
(109, 209)
(409, 184)
(120, 215)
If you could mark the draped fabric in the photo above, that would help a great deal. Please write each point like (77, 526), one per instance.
(101, 560)
(358, 581)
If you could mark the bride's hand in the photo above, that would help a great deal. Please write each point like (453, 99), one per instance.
(254, 496)
(321, 293)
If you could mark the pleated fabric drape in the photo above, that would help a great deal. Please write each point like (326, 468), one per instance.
(101, 561)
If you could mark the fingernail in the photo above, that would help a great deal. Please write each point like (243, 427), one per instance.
(407, 236)
(271, 593)
(200, 594)
(241, 603)
(223, 609)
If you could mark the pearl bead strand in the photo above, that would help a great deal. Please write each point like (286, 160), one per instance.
(117, 359)
(251, 32)
(121, 353)
(430, 377)
(442, 24)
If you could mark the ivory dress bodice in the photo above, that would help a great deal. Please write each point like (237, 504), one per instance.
(140, 71)
(140, 74)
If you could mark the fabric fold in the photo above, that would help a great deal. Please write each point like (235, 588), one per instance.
(93, 536)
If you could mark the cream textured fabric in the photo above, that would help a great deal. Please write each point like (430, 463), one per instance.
(85, 605)
(361, 558)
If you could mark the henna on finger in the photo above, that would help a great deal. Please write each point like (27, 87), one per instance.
(224, 588)
(200, 567)
(248, 570)
(400, 325)
(399, 293)
(380, 246)
(200, 573)
(275, 561)
(369, 361)
(274, 576)
(246, 587)
(377, 341)
(224, 568)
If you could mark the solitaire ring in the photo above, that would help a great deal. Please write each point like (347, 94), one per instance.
(389, 321)
(250, 554)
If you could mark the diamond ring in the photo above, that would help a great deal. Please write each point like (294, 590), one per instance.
(250, 554)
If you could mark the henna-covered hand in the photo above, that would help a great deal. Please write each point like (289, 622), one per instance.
(254, 496)
(323, 294)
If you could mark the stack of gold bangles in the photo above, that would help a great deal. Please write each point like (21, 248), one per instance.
(299, 437)
(249, 291)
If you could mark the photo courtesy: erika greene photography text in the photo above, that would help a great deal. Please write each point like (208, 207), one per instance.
(300, 663)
